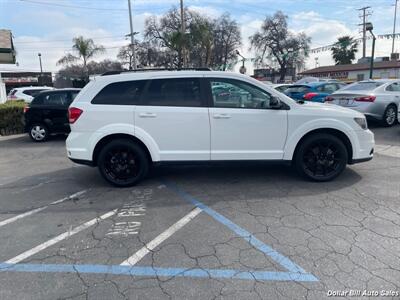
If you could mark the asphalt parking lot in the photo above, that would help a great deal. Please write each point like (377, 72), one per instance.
(221, 232)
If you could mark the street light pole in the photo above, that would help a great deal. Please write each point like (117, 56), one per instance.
(132, 35)
(394, 24)
(370, 27)
(40, 62)
(183, 34)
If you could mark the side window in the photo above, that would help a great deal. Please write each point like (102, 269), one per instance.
(59, 99)
(120, 93)
(174, 92)
(330, 88)
(238, 94)
(394, 87)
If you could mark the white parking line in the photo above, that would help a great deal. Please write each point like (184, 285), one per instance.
(59, 238)
(36, 210)
(135, 258)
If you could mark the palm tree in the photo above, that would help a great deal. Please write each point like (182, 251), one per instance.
(84, 49)
(344, 50)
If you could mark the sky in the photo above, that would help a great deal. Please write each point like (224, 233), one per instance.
(48, 26)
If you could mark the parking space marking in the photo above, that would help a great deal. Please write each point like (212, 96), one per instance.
(135, 258)
(250, 238)
(36, 210)
(158, 272)
(59, 238)
(388, 150)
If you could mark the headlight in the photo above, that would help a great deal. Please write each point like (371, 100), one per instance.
(362, 122)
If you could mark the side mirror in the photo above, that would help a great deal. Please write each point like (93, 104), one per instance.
(275, 103)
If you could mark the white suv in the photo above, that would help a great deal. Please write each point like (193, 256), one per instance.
(26, 93)
(125, 122)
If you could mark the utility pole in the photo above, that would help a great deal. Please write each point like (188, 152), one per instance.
(394, 24)
(132, 36)
(40, 62)
(364, 16)
(183, 34)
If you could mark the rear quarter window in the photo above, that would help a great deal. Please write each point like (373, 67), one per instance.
(120, 93)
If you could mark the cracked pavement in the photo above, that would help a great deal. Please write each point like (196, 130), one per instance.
(346, 233)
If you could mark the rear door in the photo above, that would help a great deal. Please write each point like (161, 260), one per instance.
(243, 125)
(55, 110)
(173, 112)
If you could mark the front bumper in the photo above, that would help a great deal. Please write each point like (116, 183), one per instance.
(364, 150)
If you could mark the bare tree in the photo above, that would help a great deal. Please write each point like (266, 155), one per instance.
(275, 40)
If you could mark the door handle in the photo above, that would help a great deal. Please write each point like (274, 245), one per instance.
(147, 115)
(221, 116)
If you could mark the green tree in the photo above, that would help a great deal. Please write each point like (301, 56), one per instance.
(344, 51)
(83, 49)
(275, 41)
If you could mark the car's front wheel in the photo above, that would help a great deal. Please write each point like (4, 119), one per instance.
(321, 157)
(123, 163)
(389, 116)
(38, 132)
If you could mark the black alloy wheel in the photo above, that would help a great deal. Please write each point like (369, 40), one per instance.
(321, 157)
(123, 163)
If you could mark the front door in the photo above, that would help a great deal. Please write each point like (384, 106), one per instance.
(174, 113)
(243, 124)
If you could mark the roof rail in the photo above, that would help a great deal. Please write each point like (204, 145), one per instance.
(155, 69)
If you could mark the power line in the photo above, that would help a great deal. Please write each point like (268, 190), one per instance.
(72, 6)
(67, 40)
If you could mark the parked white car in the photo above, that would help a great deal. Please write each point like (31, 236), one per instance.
(123, 123)
(377, 99)
(26, 93)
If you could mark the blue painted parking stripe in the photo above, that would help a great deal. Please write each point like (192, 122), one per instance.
(273, 254)
(161, 272)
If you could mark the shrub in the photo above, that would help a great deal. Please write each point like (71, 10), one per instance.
(12, 117)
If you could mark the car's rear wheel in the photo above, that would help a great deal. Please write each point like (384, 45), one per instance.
(389, 116)
(321, 157)
(38, 132)
(122, 163)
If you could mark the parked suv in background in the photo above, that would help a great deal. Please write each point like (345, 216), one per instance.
(123, 123)
(48, 113)
(26, 93)
(377, 99)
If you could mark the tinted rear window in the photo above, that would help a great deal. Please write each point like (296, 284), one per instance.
(297, 89)
(120, 93)
(363, 86)
(32, 93)
(174, 92)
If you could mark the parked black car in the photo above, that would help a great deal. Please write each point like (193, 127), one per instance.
(48, 113)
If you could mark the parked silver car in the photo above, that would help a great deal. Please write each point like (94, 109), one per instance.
(377, 99)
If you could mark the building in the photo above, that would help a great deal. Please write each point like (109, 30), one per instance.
(356, 72)
(21, 79)
(7, 51)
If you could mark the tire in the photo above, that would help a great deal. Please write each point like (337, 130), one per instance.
(389, 117)
(123, 163)
(38, 132)
(321, 157)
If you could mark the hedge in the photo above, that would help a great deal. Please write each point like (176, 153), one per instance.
(12, 117)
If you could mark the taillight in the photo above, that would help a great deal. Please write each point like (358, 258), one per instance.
(365, 99)
(74, 114)
(26, 108)
(309, 96)
(329, 98)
